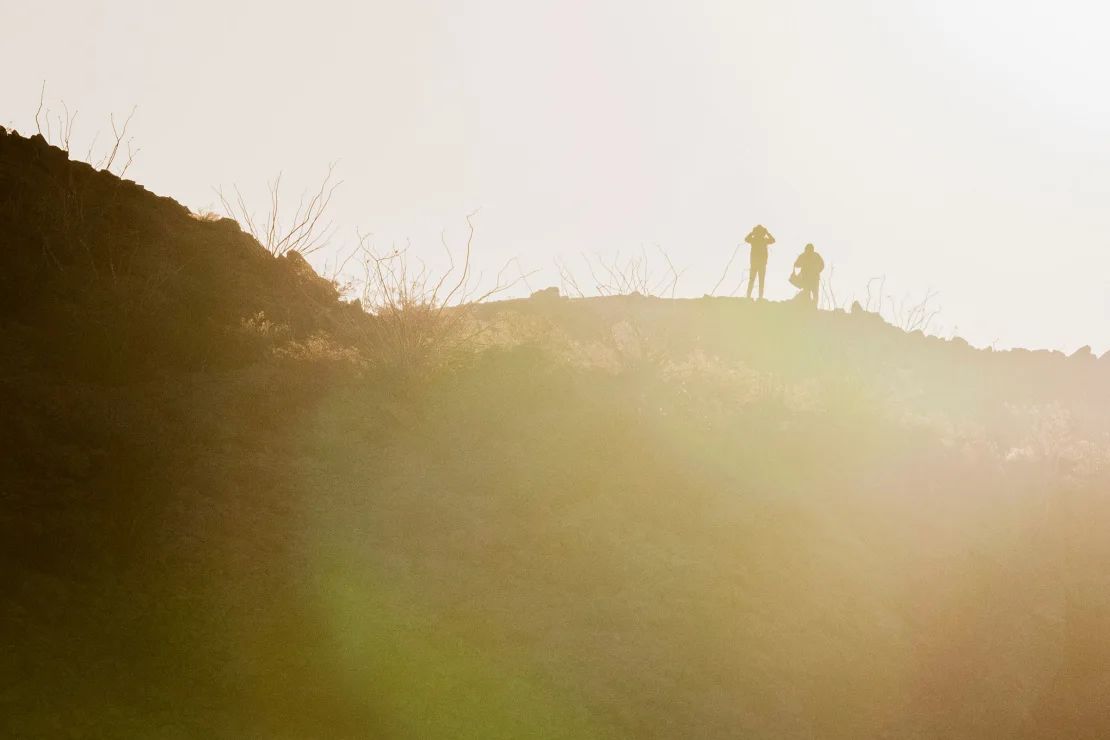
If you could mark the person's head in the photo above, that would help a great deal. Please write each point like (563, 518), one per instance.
(809, 249)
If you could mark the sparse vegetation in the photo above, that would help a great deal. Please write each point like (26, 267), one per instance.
(306, 231)
(57, 128)
(907, 313)
(637, 274)
(724, 275)
(420, 320)
(619, 517)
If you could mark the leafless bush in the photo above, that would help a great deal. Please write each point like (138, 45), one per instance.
(907, 313)
(335, 271)
(634, 275)
(912, 315)
(421, 319)
(69, 221)
(568, 282)
(874, 302)
(57, 128)
(308, 230)
(119, 138)
(828, 298)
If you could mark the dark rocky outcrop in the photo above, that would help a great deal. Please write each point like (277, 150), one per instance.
(107, 279)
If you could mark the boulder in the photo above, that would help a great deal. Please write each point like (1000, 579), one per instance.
(1083, 354)
(546, 294)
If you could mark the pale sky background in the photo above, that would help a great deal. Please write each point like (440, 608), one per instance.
(959, 145)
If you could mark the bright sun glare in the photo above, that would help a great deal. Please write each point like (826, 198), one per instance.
(1055, 55)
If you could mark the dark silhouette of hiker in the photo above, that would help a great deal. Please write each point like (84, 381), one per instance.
(807, 273)
(760, 239)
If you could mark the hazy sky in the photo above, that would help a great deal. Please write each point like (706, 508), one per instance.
(959, 145)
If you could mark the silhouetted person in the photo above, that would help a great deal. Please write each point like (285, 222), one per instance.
(807, 272)
(760, 239)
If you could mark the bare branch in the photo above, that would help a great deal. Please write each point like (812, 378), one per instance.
(567, 279)
(119, 134)
(466, 258)
(724, 274)
(38, 111)
(307, 232)
(415, 327)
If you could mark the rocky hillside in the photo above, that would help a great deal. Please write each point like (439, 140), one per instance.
(619, 517)
(104, 279)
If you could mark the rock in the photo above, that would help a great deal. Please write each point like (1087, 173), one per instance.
(858, 310)
(1083, 354)
(546, 294)
(228, 224)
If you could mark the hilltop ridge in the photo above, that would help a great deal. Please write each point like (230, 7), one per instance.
(83, 243)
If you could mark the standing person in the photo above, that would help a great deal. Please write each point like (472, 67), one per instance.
(760, 239)
(807, 273)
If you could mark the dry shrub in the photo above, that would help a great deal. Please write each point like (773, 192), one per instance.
(637, 274)
(907, 313)
(319, 348)
(1048, 438)
(626, 349)
(421, 320)
(205, 216)
(309, 228)
(732, 385)
(307, 359)
(57, 128)
(259, 328)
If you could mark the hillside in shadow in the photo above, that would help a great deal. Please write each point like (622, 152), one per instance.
(225, 513)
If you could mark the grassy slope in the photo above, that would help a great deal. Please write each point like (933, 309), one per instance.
(629, 518)
(768, 573)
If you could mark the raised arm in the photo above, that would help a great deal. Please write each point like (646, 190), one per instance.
(759, 231)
